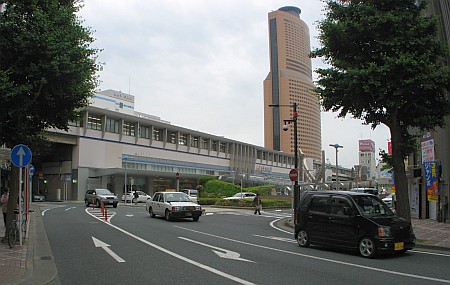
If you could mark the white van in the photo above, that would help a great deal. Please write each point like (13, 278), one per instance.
(192, 194)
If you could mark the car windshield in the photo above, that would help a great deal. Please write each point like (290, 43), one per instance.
(238, 195)
(103, 192)
(372, 206)
(177, 197)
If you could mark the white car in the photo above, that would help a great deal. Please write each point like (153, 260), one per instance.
(243, 195)
(192, 194)
(388, 200)
(172, 205)
(143, 197)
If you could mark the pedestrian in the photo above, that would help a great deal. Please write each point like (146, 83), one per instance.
(257, 204)
(4, 202)
(136, 196)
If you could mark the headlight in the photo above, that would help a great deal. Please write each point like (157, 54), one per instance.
(198, 208)
(176, 209)
(384, 231)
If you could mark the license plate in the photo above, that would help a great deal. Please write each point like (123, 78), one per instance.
(188, 214)
(399, 246)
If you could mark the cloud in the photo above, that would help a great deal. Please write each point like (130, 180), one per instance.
(200, 64)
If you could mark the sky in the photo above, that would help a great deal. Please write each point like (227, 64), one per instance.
(200, 64)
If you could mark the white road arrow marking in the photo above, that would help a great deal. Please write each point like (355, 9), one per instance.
(21, 153)
(224, 253)
(99, 243)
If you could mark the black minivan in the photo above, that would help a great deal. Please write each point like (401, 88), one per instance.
(351, 220)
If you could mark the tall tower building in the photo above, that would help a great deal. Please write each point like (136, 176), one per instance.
(367, 160)
(290, 81)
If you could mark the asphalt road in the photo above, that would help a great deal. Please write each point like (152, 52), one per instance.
(230, 247)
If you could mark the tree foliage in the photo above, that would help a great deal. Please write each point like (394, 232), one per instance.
(386, 68)
(47, 68)
(47, 72)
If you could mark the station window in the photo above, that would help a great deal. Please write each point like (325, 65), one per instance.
(204, 143)
(194, 142)
(182, 140)
(129, 129)
(94, 122)
(144, 132)
(171, 137)
(223, 147)
(158, 134)
(112, 125)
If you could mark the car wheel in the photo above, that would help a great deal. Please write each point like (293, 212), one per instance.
(168, 216)
(115, 205)
(195, 218)
(97, 203)
(367, 247)
(303, 238)
(150, 211)
(86, 202)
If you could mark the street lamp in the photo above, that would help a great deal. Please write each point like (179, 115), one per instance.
(126, 179)
(285, 128)
(336, 146)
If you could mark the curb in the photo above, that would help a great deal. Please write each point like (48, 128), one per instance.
(41, 268)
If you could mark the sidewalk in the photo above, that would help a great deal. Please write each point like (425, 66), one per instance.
(33, 262)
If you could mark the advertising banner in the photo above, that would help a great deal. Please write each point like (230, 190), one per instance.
(431, 180)
(428, 150)
(366, 145)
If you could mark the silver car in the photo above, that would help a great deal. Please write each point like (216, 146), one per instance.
(98, 196)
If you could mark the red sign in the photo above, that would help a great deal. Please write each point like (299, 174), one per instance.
(390, 148)
(177, 176)
(293, 175)
(366, 145)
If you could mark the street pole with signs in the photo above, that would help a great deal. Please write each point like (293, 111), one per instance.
(296, 196)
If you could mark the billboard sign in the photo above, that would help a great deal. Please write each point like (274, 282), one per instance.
(367, 145)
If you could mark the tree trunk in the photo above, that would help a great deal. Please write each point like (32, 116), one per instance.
(400, 179)
(13, 197)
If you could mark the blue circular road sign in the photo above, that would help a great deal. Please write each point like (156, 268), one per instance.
(21, 155)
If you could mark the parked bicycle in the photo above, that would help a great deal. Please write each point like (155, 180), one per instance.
(14, 232)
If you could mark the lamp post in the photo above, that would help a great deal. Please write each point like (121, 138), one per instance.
(126, 179)
(296, 195)
(336, 146)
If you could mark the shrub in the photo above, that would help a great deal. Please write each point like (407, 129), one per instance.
(208, 201)
(264, 190)
(219, 189)
(204, 179)
(249, 203)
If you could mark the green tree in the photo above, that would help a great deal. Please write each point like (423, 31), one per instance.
(386, 68)
(47, 71)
